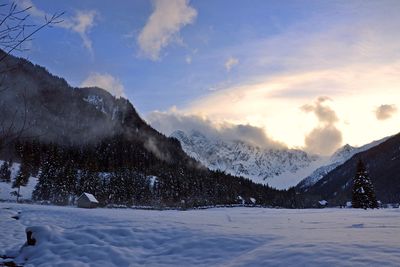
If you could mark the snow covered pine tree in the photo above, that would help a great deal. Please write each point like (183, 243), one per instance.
(363, 190)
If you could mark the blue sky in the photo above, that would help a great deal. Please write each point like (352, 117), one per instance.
(218, 27)
(256, 63)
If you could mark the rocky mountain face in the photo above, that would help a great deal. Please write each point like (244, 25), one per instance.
(382, 160)
(280, 168)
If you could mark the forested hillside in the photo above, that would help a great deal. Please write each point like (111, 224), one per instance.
(84, 139)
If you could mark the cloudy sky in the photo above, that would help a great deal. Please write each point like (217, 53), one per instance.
(305, 74)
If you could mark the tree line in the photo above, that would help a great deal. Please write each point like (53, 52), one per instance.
(120, 171)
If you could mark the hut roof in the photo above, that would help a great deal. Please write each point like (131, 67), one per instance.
(90, 197)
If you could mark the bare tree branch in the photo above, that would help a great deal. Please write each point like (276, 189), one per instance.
(14, 28)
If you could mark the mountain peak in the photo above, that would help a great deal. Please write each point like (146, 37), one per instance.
(342, 153)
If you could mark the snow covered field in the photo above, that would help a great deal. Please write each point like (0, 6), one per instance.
(68, 236)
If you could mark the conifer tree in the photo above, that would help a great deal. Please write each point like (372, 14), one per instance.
(48, 171)
(21, 179)
(363, 190)
(89, 182)
(5, 173)
(63, 184)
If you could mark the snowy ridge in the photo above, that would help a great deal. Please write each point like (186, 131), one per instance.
(338, 158)
(280, 168)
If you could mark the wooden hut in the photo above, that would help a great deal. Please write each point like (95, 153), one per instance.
(88, 201)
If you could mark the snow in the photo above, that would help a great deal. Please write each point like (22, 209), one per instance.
(153, 179)
(241, 200)
(96, 101)
(323, 202)
(68, 236)
(288, 179)
(25, 191)
(91, 197)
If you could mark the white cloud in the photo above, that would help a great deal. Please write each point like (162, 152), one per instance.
(273, 102)
(384, 112)
(356, 66)
(163, 26)
(323, 140)
(106, 82)
(168, 122)
(326, 137)
(325, 114)
(230, 63)
(33, 10)
(81, 23)
(188, 59)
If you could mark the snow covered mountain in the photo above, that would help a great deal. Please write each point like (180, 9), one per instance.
(338, 158)
(280, 168)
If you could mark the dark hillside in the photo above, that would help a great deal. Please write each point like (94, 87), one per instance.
(383, 164)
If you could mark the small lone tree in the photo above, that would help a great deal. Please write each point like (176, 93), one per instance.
(20, 180)
(5, 173)
(363, 190)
